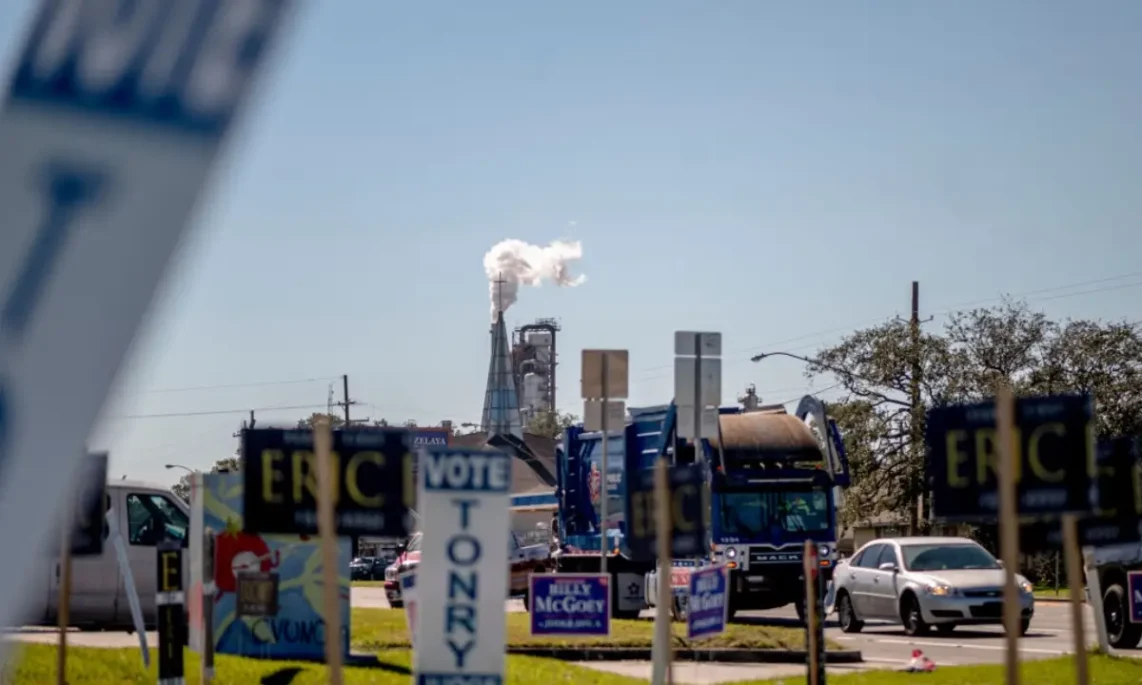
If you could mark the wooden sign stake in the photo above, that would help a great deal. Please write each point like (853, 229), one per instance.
(1008, 524)
(663, 640)
(808, 559)
(323, 452)
(1075, 583)
(64, 599)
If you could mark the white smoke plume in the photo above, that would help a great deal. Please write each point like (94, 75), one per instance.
(518, 263)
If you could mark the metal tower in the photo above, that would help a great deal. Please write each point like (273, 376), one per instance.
(501, 401)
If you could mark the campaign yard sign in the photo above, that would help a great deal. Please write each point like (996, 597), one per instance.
(370, 471)
(570, 604)
(114, 115)
(462, 576)
(708, 602)
(1055, 438)
(410, 598)
(1134, 587)
(689, 512)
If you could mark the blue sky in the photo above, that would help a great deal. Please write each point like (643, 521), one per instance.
(779, 172)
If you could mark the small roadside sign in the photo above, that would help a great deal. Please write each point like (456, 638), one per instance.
(686, 384)
(697, 384)
(689, 506)
(570, 604)
(171, 602)
(257, 594)
(112, 122)
(595, 420)
(708, 602)
(410, 598)
(691, 343)
(1055, 450)
(1134, 588)
(90, 522)
(463, 571)
(369, 472)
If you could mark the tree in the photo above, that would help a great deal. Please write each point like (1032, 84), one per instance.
(551, 424)
(335, 421)
(963, 363)
(182, 487)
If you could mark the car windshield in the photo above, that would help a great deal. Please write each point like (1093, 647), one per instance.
(752, 514)
(413, 544)
(947, 557)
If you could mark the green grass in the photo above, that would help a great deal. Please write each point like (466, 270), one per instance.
(380, 629)
(1104, 670)
(1049, 593)
(36, 665)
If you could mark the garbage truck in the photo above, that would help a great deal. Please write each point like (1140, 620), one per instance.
(775, 480)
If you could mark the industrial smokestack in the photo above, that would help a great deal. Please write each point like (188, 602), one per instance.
(512, 263)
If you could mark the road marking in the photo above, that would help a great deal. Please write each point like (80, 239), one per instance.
(960, 645)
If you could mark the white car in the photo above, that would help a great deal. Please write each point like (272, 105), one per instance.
(924, 582)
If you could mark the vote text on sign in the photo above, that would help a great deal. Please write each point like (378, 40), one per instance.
(370, 471)
(689, 508)
(1054, 459)
(461, 579)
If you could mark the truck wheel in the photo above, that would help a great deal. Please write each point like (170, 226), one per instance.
(1121, 632)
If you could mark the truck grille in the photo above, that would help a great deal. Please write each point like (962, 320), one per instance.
(774, 556)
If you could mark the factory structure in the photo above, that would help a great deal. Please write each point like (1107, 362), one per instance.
(533, 362)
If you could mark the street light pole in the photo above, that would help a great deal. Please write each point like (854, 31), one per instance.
(180, 466)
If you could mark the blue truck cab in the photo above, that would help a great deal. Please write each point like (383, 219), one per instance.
(775, 480)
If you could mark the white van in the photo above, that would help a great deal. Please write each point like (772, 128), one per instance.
(146, 514)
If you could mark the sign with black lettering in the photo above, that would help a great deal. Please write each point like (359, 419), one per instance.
(462, 578)
(257, 594)
(171, 602)
(1118, 511)
(372, 471)
(113, 116)
(1055, 443)
(689, 512)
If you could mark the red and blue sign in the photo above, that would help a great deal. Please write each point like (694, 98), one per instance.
(1134, 590)
(570, 604)
(708, 602)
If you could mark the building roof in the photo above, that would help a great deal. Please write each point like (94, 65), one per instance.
(534, 467)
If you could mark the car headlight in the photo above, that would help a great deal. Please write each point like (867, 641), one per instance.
(731, 553)
(941, 590)
(824, 551)
(1026, 587)
(390, 574)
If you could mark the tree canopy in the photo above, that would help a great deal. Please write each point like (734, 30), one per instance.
(550, 424)
(963, 363)
(182, 487)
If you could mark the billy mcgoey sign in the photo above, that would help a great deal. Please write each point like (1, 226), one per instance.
(570, 604)
(1054, 458)
(372, 474)
(689, 512)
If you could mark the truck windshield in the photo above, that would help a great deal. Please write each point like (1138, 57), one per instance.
(752, 514)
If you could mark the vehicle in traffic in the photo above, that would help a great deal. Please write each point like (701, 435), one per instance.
(367, 568)
(145, 514)
(923, 583)
(524, 560)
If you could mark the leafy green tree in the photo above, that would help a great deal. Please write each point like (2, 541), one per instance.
(182, 487)
(551, 424)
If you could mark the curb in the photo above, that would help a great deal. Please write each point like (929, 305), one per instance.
(749, 656)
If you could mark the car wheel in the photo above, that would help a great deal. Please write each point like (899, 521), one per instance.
(847, 616)
(945, 628)
(1120, 631)
(912, 617)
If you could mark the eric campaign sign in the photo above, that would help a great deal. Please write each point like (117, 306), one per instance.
(689, 512)
(570, 604)
(370, 467)
(1054, 458)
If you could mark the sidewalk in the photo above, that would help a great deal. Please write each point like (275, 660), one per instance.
(705, 673)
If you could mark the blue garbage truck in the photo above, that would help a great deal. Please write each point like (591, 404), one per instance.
(775, 480)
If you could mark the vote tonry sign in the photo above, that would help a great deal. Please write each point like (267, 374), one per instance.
(372, 473)
(1054, 461)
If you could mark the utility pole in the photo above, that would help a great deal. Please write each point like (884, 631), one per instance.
(345, 401)
(919, 517)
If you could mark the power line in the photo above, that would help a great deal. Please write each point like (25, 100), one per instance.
(230, 386)
(220, 412)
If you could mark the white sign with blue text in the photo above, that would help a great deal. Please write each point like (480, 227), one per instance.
(112, 121)
(570, 604)
(707, 603)
(462, 577)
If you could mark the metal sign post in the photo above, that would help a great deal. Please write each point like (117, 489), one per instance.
(208, 591)
(605, 378)
(171, 602)
(1008, 524)
(64, 603)
(662, 649)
